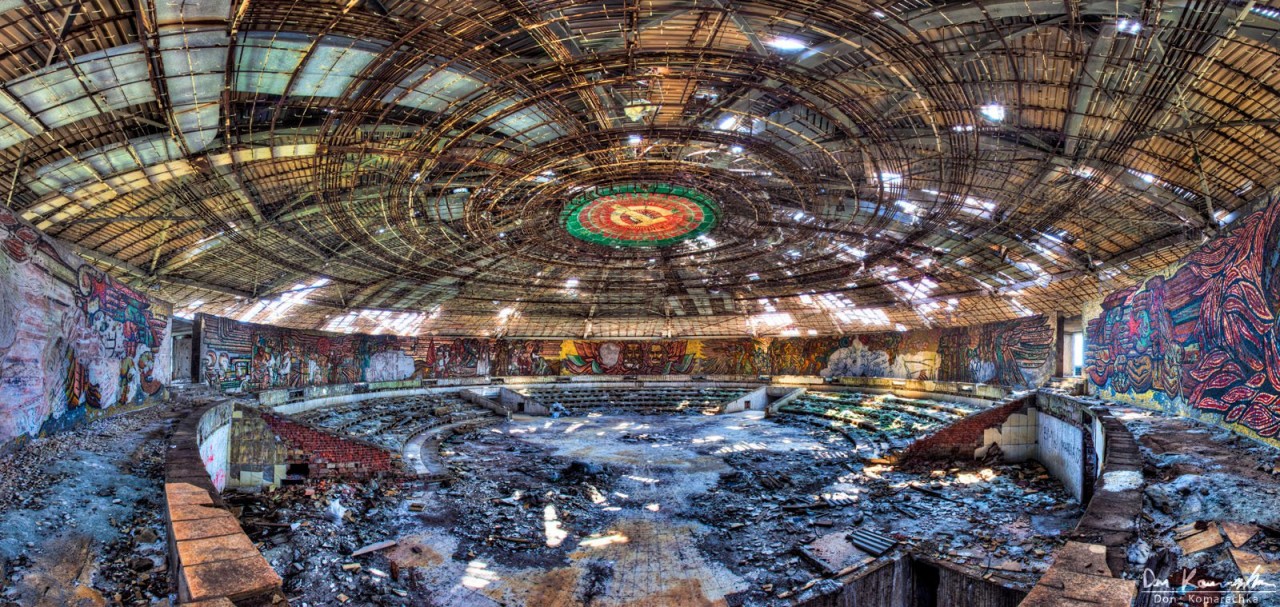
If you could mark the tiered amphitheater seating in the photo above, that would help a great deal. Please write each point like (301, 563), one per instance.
(391, 422)
(887, 417)
(579, 401)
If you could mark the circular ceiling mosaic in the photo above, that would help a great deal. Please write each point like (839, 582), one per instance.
(640, 215)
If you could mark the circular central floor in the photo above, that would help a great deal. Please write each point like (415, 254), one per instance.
(691, 510)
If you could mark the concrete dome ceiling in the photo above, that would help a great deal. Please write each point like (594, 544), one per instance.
(405, 164)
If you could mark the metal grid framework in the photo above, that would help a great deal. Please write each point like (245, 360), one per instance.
(400, 166)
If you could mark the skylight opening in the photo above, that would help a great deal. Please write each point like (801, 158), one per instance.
(1018, 308)
(993, 112)
(1268, 12)
(787, 44)
(1130, 27)
(506, 314)
(771, 320)
(890, 178)
(1147, 177)
(405, 324)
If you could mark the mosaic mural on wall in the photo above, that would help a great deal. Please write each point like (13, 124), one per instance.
(1017, 353)
(1200, 338)
(668, 357)
(74, 342)
(247, 357)
(733, 357)
(517, 357)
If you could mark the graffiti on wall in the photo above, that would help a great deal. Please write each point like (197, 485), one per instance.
(246, 357)
(74, 342)
(1201, 337)
(900, 354)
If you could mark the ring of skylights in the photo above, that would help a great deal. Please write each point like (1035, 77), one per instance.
(640, 215)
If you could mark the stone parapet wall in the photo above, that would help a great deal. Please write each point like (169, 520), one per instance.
(209, 554)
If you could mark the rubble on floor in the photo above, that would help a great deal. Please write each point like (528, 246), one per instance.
(1210, 529)
(648, 510)
(81, 514)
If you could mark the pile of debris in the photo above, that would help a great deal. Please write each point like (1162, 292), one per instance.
(1210, 527)
(996, 523)
(618, 510)
(81, 513)
(326, 539)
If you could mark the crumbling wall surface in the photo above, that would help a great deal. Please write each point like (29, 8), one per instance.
(75, 343)
(256, 456)
(209, 554)
(963, 438)
(329, 455)
(1199, 338)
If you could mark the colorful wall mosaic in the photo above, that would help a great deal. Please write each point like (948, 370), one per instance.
(1199, 338)
(74, 342)
(1016, 353)
(245, 357)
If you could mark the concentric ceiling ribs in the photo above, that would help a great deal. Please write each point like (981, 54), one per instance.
(914, 162)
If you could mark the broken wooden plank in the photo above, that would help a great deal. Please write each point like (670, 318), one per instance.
(1239, 533)
(1203, 540)
(383, 545)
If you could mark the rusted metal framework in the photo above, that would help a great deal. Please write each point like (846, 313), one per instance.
(401, 165)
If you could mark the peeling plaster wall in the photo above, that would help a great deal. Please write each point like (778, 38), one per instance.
(75, 344)
(1201, 338)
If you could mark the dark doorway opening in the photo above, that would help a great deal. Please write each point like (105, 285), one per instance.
(926, 578)
(296, 474)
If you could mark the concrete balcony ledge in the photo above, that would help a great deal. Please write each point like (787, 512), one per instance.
(214, 563)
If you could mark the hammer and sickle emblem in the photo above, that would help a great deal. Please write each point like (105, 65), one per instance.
(640, 215)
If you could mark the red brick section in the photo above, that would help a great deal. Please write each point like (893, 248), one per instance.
(961, 438)
(214, 562)
(329, 455)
